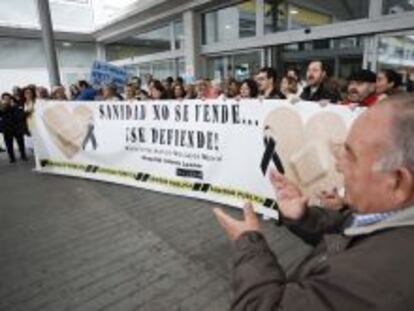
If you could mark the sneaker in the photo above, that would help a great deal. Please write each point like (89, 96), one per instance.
(12, 161)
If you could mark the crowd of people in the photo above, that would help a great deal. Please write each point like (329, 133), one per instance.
(361, 250)
(363, 88)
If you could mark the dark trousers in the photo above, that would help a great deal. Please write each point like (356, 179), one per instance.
(8, 139)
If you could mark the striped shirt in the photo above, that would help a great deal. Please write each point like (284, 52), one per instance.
(363, 220)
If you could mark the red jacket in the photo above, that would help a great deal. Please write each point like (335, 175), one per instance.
(367, 102)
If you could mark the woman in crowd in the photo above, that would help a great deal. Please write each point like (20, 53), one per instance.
(248, 89)
(59, 93)
(179, 92)
(29, 95)
(231, 88)
(289, 88)
(388, 83)
(109, 93)
(215, 90)
(202, 89)
(294, 73)
(190, 92)
(42, 93)
(74, 91)
(130, 92)
(157, 90)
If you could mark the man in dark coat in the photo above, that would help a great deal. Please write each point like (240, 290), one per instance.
(316, 89)
(13, 124)
(363, 254)
(266, 82)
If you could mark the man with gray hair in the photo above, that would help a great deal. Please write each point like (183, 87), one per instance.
(363, 254)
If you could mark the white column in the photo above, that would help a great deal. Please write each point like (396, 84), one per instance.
(100, 51)
(192, 43)
(45, 21)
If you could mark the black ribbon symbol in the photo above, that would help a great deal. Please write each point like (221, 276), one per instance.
(90, 136)
(269, 155)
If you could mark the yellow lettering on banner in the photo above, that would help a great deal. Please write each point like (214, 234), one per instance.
(158, 180)
(180, 184)
(163, 181)
(237, 194)
(223, 191)
(120, 173)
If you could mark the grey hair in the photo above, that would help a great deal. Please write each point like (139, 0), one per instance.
(402, 133)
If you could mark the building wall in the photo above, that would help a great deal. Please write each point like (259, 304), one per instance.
(22, 61)
(236, 37)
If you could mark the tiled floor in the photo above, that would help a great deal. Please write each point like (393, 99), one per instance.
(73, 244)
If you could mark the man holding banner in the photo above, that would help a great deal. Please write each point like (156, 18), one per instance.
(361, 251)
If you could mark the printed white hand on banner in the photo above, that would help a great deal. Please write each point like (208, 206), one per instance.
(235, 228)
(292, 203)
(69, 129)
(300, 148)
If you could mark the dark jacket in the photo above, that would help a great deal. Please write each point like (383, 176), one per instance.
(322, 93)
(275, 94)
(12, 119)
(367, 268)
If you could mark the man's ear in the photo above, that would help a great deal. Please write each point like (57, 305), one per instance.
(403, 185)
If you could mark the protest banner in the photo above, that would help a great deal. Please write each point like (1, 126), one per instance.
(103, 73)
(220, 151)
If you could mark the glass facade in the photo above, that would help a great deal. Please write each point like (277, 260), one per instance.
(181, 67)
(216, 67)
(163, 69)
(143, 69)
(342, 55)
(283, 15)
(76, 54)
(154, 41)
(178, 35)
(230, 23)
(160, 69)
(157, 40)
(161, 39)
(397, 6)
(239, 66)
(397, 52)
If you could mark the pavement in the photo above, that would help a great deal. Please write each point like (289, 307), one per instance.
(74, 244)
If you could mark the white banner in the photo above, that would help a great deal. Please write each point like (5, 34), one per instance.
(220, 151)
